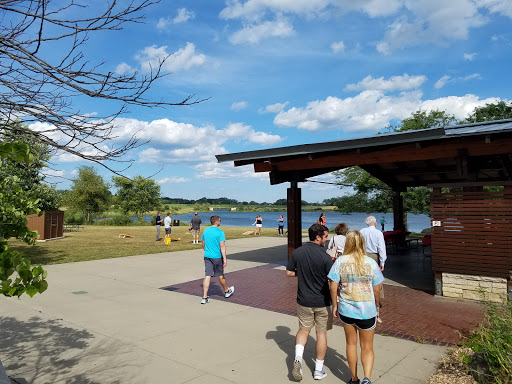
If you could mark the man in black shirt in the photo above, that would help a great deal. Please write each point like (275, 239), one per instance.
(311, 264)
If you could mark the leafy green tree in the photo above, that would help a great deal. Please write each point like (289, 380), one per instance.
(139, 195)
(17, 276)
(31, 180)
(89, 193)
(491, 112)
(377, 196)
(422, 120)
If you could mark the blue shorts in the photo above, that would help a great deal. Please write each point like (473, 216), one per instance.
(362, 324)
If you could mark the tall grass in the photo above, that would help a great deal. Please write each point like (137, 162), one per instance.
(491, 343)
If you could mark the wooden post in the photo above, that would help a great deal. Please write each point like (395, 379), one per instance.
(294, 217)
(398, 212)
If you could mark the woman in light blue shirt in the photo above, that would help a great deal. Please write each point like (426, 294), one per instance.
(360, 278)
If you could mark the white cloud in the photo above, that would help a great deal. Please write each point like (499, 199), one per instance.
(273, 108)
(459, 106)
(183, 59)
(182, 16)
(254, 33)
(441, 82)
(373, 109)
(214, 170)
(469, 56)
(447, 79)
(123, 69)
(237, 106)
(256, 9)
(503, 7)
(338, 46)
(239, 131)
(402, 83)
(473, 76)
(432, 21)
(166, 180)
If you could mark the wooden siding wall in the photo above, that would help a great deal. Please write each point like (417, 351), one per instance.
(49, 225)
(475, 236)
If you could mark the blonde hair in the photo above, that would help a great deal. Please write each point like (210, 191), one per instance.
(355, 247)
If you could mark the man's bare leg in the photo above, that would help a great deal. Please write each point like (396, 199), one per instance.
(222, 281)
(206, 285)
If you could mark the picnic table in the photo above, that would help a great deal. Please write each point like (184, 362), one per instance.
(72, 227)
(396, 238)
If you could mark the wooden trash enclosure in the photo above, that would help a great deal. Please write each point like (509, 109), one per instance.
(475, 236)
(50, 225)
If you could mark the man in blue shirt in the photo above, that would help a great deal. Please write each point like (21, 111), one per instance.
(214, 245)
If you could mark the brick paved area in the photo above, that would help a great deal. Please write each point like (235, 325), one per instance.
(407, 313)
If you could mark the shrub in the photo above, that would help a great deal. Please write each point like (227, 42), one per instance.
(74, 217)
(492, 346)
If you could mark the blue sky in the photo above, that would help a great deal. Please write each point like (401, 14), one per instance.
(288, 72)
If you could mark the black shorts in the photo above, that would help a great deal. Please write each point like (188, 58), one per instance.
(362, 324)
(213, 267)
(167, 231)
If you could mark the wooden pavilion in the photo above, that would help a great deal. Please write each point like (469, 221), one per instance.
(472, 239)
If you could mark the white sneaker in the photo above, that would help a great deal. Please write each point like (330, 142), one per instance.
(205, 300)
(297, 370)
(319, 375)
(229, 292)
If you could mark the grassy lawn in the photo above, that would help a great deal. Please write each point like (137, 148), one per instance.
(103, 242)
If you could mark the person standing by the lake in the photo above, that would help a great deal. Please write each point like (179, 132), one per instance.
(311, 265)
(214, 245)
(259, 223)
(280, 226)
(158, 222)
(167, 225)
(322, 220)
(195, 228)
(383, 223)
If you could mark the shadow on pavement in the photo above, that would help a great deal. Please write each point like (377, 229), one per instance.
(46, 351)
(336, 362)
(271, 255)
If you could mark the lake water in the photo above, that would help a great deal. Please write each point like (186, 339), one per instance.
(354, 220)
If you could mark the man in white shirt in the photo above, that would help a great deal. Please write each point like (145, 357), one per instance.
(375, 246)
(167, 224)
(374, 239)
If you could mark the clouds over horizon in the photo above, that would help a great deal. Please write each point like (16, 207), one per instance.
(376, 106)
(420, 22)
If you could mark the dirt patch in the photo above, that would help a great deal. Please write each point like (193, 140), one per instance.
(451, 369)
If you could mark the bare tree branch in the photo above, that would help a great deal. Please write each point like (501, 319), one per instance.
(39, 88)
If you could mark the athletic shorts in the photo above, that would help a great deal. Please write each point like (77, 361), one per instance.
(195, 232)
(320, 318)
(168, 231)
(213, 267)
(364, 325)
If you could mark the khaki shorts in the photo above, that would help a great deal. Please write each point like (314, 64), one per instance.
(320, 318)
(195, 232)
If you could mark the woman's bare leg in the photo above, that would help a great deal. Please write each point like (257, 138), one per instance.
(351, 340)
(367, 355)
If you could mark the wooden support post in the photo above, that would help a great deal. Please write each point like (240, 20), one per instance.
(398, 212)
(294, 217)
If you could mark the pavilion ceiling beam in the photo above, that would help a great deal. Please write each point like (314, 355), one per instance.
(438, 150)
(278, 177)
(387, 179)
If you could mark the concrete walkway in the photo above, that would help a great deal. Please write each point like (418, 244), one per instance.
(108, 321)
